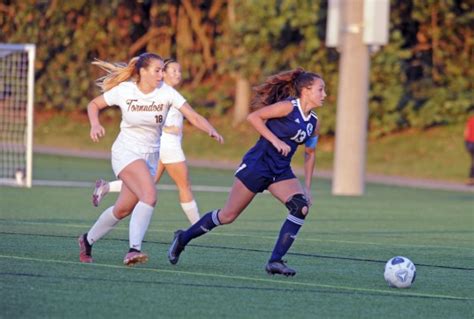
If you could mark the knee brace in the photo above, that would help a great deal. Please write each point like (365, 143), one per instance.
(298, 206)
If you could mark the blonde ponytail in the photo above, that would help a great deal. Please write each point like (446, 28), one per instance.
(116, 73)
(120, 72)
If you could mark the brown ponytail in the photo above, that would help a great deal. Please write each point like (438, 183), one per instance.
(281, 86)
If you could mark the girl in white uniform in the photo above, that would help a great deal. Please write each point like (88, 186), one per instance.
(172, 157)
(144, 100)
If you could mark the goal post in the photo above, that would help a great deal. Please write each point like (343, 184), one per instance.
(16, 113)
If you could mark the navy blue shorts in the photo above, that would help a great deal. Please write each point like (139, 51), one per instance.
(257, 177)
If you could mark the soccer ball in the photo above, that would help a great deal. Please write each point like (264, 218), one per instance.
(400, 272)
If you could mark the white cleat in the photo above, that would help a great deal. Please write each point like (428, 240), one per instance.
(101, 189)
(135, 257)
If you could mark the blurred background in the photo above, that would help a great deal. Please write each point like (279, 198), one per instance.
(421, 82)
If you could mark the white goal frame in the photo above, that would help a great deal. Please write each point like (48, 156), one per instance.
(23, 176)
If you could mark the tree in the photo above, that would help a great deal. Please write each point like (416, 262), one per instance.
(290, 37)
(420, 79)
(438, 35)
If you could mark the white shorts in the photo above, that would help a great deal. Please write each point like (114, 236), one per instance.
(171, 153)
(171, 150)
(124, 154)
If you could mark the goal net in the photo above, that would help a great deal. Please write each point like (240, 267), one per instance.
(16, 113)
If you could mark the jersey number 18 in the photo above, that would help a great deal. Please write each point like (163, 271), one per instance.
(159, 118)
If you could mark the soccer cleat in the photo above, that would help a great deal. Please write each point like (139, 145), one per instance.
(279, 267)
(135, 257)
(175, 249)
(101, 189)
(85, 249)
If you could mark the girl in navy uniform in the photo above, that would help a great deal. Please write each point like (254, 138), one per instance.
(284, 123)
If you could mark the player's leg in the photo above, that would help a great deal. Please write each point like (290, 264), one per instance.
(159, 171)
(172, 158)
(106, 222)
(239, 198)
(137, 178)
(180, 175)
(291, 193)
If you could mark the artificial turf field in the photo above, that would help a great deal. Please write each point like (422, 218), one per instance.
(339, 254)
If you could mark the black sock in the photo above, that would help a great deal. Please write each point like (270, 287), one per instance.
(287, 236)
(202, 226)
(88, 246)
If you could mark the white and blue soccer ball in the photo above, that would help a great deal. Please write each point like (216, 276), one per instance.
(400, 272)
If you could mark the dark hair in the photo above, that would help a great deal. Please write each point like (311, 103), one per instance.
(281, 86)
(167, 62)
(144, 60)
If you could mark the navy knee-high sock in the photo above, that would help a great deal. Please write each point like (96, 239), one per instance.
(202, 226)
(287, 236)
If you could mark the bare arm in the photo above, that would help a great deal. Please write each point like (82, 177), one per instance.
(309, 161)
(258, 118)
(97, 130)
(200, 122)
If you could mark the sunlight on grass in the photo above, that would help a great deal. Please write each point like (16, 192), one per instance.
(437, 153)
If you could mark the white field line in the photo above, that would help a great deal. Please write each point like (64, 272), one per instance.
(198, 188)
(401, 181)
(223, 189)
(322, 238)
(291, 283)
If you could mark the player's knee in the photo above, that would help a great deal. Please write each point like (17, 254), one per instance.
(149, 201)
(149, 197)
(121, 213)
(298, 206)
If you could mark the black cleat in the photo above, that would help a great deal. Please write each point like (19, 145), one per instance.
(176, 248)
(279, 267)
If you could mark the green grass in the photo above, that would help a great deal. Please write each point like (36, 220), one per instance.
(433, 154)
(339, 254)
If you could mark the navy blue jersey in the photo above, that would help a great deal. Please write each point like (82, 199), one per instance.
(293, 129)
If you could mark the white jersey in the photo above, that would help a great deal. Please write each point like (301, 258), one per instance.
(174, 121)
(143, 115)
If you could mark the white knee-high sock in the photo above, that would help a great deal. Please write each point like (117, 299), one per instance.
(105, 223)
(139, 222)
(191, 210)
(115, 186)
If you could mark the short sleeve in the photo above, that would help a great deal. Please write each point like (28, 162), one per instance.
(177, 99)
(112, 96)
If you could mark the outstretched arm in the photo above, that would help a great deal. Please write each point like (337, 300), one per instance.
(97, 130)
(200, 122)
